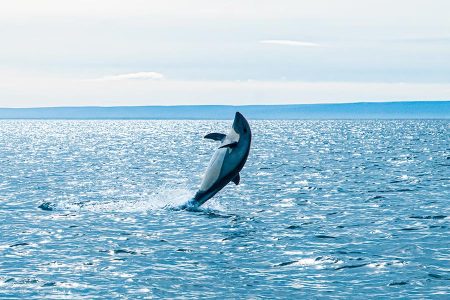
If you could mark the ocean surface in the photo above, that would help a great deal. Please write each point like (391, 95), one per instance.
(325, 209)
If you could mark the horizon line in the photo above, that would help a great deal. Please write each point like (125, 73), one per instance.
(233, 105)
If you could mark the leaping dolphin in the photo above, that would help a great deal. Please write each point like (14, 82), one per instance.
(226, 162)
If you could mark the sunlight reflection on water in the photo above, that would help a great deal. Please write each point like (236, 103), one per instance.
(333, 209)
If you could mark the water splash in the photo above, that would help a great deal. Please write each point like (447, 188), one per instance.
(160, 199)
(164, 198)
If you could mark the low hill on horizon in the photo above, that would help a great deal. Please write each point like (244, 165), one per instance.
(362, 110)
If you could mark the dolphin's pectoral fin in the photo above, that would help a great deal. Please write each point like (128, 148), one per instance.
(230, 145)
(215, 136)
(236, 179)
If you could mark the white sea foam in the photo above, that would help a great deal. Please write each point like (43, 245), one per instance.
(159, 199)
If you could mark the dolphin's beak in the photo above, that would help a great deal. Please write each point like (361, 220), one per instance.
(240, 123)
(237, 120)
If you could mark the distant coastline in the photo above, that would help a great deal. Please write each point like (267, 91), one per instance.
(361, 110)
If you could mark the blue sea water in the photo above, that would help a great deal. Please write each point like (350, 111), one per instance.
(325, 209)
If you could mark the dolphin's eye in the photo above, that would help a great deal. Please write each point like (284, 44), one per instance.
(245, 130)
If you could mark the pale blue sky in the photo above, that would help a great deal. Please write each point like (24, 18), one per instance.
(60, 53)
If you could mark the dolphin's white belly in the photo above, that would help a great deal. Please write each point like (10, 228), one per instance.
(213, 170)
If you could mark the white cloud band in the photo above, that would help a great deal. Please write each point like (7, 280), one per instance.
(290, 43)
(133, 76)
(23, 90)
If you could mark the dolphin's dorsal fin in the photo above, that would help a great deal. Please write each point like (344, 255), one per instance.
(236, 179)
(215, 136)
(229, 145)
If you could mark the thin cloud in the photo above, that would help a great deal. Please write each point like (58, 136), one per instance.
(133, 76)
(290, 43)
